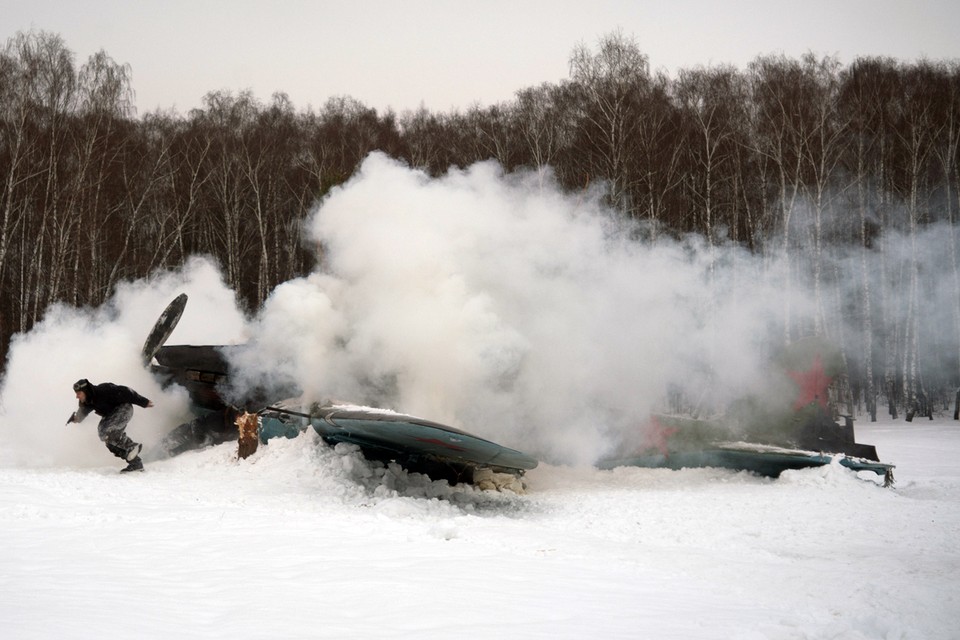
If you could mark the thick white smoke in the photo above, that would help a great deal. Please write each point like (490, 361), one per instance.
(104, 345)
(487, 301)
(494, 303)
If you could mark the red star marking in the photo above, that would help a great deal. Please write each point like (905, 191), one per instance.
(655, 436)
(813, 384)
(437, 441)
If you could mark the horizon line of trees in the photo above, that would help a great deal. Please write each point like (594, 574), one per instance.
(788, 158)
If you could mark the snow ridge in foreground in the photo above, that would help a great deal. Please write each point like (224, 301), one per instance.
(306, 541)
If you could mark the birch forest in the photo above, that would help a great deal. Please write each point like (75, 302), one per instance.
(848, 172)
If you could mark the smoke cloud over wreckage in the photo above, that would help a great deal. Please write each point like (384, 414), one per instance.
(485, 300)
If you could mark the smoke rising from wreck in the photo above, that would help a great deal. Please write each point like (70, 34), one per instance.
(484, 300)
(494, 303)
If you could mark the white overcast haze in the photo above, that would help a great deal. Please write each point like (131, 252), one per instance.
(447, 55)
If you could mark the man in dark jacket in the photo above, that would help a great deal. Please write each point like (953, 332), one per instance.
(115, 404)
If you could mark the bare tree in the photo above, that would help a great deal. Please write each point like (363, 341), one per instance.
(488, 133)
(610, 84)
(424, 136)
(710, 101)
(778, 132)
(544, 121)
(822, 152)
(946, 151)
(221, 124)
(917, 129)
(47, 89)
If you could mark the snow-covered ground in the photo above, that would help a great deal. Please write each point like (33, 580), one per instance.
(304, 541)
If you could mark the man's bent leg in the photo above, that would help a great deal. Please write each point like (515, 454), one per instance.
(112, 432)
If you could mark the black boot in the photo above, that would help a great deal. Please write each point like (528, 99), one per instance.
(135, 465)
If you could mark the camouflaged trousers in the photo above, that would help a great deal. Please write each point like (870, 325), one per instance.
(112, 431)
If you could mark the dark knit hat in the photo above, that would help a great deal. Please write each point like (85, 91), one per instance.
(81, 385)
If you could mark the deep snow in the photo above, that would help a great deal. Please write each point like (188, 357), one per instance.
(304, 541)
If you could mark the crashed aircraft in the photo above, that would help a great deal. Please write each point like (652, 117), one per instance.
(794, 429)
(418, 445)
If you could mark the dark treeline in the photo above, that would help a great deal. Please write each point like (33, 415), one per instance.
(790, 159)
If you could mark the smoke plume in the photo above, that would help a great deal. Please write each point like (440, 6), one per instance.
(488, 301)
(494, 303)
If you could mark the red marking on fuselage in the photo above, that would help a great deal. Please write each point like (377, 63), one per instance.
(813, 384)
(656, 435)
